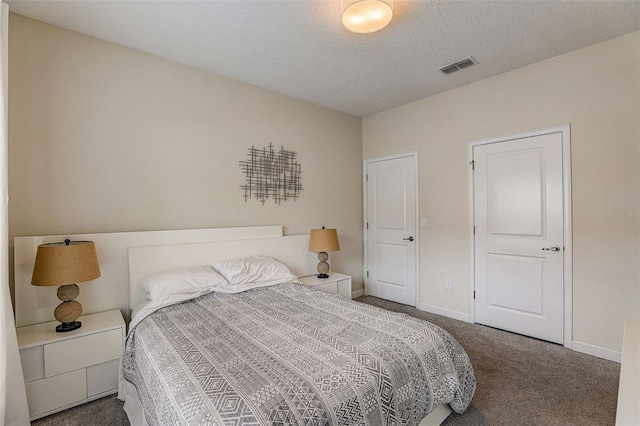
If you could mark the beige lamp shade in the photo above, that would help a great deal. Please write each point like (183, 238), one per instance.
(323, 240)
(62, 264)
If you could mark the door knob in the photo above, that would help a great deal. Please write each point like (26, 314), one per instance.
(408, 239)
(552, 248)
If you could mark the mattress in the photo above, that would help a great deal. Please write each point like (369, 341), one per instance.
(288, 354)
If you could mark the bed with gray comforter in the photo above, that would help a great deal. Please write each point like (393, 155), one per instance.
(289, 354)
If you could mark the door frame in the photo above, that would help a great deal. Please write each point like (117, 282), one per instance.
(565, 132)
(414, 156)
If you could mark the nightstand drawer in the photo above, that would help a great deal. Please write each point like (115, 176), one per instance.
(83, 351)
(328, 287)
(32, 363)
(336, 283)
(49, 394)
(344, 287)
(102, 377)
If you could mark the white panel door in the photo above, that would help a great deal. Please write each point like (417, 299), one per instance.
(518, 210)
(391, 221)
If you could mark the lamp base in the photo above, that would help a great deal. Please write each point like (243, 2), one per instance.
(68, 326)
(323, 266)
(69, 310)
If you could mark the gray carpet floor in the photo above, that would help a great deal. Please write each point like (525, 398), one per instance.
(520, 381)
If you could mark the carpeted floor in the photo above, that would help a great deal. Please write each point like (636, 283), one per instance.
(521, 381)
(524, 381)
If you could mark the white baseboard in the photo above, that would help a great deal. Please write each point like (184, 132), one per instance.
(585, 348)
(357, 293)
(444, 312)
(598, 351)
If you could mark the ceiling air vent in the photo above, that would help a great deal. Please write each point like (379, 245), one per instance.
(465, 63)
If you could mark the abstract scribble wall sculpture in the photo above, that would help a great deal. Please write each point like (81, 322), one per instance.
(271, 174)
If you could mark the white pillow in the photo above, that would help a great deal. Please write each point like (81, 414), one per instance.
(254, 269)
(196, 279)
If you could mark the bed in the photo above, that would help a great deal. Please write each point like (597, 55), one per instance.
(279, 353)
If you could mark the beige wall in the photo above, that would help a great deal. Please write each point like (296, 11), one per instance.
(103, 138)
(597, 91)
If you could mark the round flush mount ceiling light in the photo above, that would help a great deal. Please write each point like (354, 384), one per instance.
(366, 16)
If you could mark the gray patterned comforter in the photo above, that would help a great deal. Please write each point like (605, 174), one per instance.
(289, 354)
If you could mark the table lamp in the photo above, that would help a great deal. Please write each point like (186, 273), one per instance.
(322, 241)
(66, 264)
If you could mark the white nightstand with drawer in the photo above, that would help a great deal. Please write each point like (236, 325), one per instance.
(336, 283)
(62, 370)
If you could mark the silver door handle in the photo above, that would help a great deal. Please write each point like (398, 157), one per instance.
(408, 239)
(552, 248)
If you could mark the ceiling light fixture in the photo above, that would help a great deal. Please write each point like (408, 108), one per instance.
(366, 16)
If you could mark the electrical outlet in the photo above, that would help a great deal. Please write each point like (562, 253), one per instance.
(448, 284)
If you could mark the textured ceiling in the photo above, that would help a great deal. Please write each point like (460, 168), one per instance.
(300, 48)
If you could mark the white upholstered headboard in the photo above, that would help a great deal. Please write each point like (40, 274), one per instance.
(111, 291)
(144, 261)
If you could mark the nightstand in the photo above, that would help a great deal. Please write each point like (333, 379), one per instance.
(66, 369)
(336, 283)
